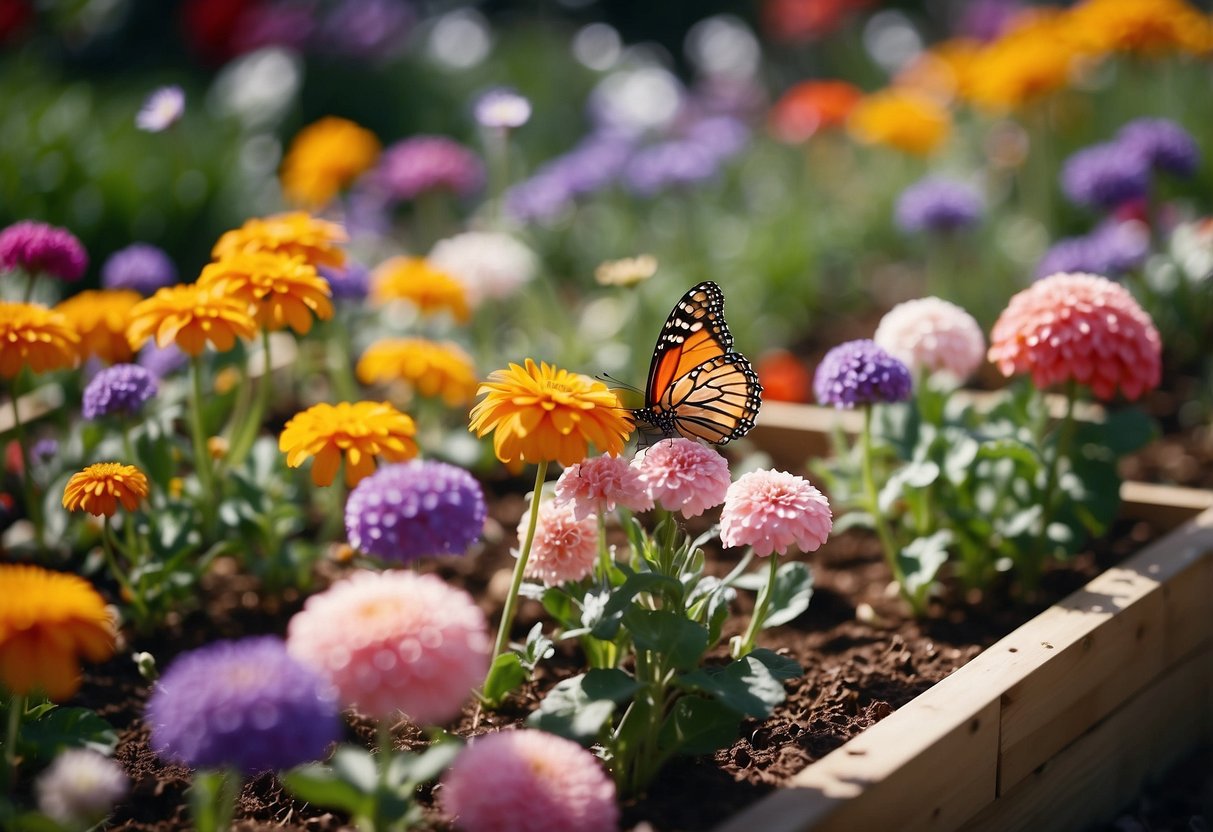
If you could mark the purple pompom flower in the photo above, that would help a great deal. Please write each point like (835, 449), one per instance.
(1163, 144)
(122, 388)
(162, 361)
(423, 164)
(245, 704)
(860, 373)
(410, 510)
(1105, 175)
(939, 205)
(1113, 248)
(162, 109)
(348, 282)
(37, 248)
(141, 267)
(502, 109)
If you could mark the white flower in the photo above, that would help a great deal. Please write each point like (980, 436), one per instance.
(490, 265)
(502, 109)
(1192, 248)
(162, 110)
(80, 788)
(932, 335)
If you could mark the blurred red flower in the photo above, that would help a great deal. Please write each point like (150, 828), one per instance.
(784, 377)
(811, 106)
(796, 21)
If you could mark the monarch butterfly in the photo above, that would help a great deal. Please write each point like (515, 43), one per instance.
(698, 387)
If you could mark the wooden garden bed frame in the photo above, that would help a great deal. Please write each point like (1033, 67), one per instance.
(1053, 727)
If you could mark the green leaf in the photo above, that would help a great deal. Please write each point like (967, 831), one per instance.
(1122, 432)
(209, 809)
(746, 686)
(921, 560)
(1006, 448)
(578, 707)
(45, 737)
(698, 726)
(506, 675)
(781, 667)
(679, 641)
(635, 584)
(408, 769)
(791, 594)
(320, 784)
(356, 766)
(960, 453)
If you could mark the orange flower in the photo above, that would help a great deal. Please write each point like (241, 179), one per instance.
(413, 279)
(812, 106)
(433, 369)
(100, 317)
(189, 315)
(538, 412)
(906, 120)
(943, 72)
(99, 488)
(360, 430)
(325, 157)
(48, 621)
(1143, 27)
(282, 291)
(1036, 57)
(784, 377)
(35, 336)
(296, 234)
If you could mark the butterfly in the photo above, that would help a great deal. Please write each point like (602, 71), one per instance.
(698, 387)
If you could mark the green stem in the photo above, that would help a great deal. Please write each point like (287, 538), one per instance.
(497, 146)
(341, 360)
(229, 791)
(761, 607)
(124, 581)
(16, 710)
(511, 600)
(202, 455)
(873, 500)
(380, 820)
(605, 561)
(128, 524)
(246, 434)
(33, 502)
(1065, 435)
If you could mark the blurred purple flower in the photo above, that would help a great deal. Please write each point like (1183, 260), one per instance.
(162, 109)
(722, 136)
(985, 20)
(1105, 175)
(161, 361)
(348, 282)
(593, 165)
(939, 205)
(141, 267)
(1112, 249)
(37, 248)
(502, 109)
(122, 388)
(860, 373)
(1163, 144)
(423, 164)
(44, 450)
(361, 28)
(669, 165)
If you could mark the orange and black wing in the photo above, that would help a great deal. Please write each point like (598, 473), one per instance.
(694, 333)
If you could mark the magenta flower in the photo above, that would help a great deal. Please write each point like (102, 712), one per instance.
(932, 335)
(599, 484)
(565, 546)
(424, 164)
(528, 781)
(394, 641)
(37, 248)
(162, 109)
(681, 475)
(772, 511)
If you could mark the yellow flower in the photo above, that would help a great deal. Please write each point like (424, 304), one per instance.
(626, 272)
(296, 234)
(943, 72)
(415, 280)
(324, 157)
(903, 119)
(100, 318)
(100, 487)
(1143, 27)
(189, 315)
(538, 412)
(432, 368)
(360, 430)
(48, 620)
(35, 336)
(282, 291)
(1037, 56)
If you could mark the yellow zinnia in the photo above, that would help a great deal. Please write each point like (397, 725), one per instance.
(1143, 27)
(324, 157)
(1037, 56)
(539, 413)
(296, 234)
(283, 291)
(34, 336)
(431, 368)
(360, 430)
(189, 315)
(48, 620)
(413, 279)
(100, 317)
(903, 119)
(100, 487)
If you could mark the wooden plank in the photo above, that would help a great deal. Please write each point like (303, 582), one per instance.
(1166, 505)
(33, 405)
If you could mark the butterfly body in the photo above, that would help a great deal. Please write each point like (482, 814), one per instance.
(698, 387)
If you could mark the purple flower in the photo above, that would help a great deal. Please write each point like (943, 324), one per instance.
(122, 388)
(938, 205)
(290, 24)
(722, 136)
(37, 248)
(410, 510)
(245, 704)
(162, 361)
(860, 373)
(502, 109)
(141, 267)
(985, 20)
(375, 28)
(422, 164)
(1163, 144)
(1113, 248)
(667, 165)
(591, 166)
(1105, 175)
(162, 109)
(349, 282)
(44, 450)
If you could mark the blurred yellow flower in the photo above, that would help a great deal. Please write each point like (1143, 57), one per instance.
(189, 315)
(48, 621)
(325, 157)
(903, 119)
(296, 234)
(413, 279)
(34, 336)
(99, 488)
(431, 368)
(538, 413)
(360, 430)
(1143, 27)
(943, 72)
(626, 272)
(100, 318)
(226, 380)
(282, 291)
(1037, 56)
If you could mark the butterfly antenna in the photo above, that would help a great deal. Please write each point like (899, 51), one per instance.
(616, 382)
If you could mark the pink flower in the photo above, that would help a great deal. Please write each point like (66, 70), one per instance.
(933, 335)
(528, 781)
(681, 475)
(394, 641)
(773, 511)
(1081, 327)
(599, 484)
(565, 546)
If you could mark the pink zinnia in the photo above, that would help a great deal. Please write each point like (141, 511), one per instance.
(773, 511)
(37, 248)
(1081, 327)
(565, 546)
(932, 335)
(528, 781)
(681, 475)
(599, 484)
(422, 164)
(394, 641)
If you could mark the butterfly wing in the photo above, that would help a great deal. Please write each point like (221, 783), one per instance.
(694, 332)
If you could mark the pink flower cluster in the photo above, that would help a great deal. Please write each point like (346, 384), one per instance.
(685, 476)
(565, 546)
(772, 511)
(933, 335)
(601, 483)
(1079, 327)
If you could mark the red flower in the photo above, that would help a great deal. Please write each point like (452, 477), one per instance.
(796, 21)
(811, 106)
(784, 377)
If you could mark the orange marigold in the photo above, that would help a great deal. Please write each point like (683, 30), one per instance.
(360, 430)
(431, 368)
(904, 119)
(943, 72)
(538, 412)
(48, 621)
(100, 487)
(1037, 56)
(189, 315)
(297, 234)
(812, 106)
(1143, 27)
(282, 291)
(37, 337)
(325, 157)
(100, 317)
(413, 279)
